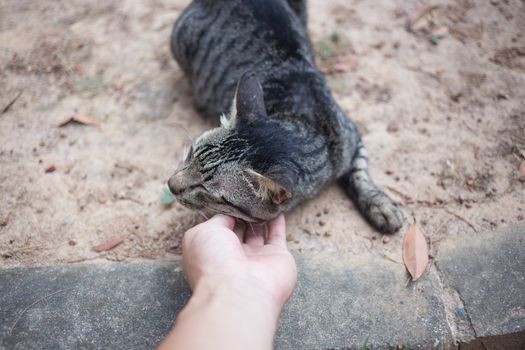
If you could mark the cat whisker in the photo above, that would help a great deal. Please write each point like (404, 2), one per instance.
(184, 130)
(185, 152)
(251, 226)
(203, 215)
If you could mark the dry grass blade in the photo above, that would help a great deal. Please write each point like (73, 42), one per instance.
(12, 102)
(522, 169)
(415, 252)
(81, 119)
(33, 304)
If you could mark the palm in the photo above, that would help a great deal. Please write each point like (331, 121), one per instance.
(217, 247)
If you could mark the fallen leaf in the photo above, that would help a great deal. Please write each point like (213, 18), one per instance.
(415, 16)
(392, 127)
(438, 34)
(440, 31)
(50, 169)
(167, 197)
(108, 245)
(415, 251)
(522, 169)
(341, 67)
(82, 119)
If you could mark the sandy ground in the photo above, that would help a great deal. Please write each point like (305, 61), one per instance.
(444, 123)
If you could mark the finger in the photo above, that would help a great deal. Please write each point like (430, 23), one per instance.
(277, 231)
(221, 220)
(254, 235)
(240, 230)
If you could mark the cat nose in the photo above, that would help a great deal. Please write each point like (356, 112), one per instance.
(175, 185)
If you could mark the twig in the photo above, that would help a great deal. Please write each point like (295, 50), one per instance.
(462, 219)
(409, 200)
(389, 258)
(405, 196)
(408, 281)
(12, 102)
(33, 304)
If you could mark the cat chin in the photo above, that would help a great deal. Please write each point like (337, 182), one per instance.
(241, 216)
(189, 204)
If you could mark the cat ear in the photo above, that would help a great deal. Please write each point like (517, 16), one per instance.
(268, 188)
(248, 104)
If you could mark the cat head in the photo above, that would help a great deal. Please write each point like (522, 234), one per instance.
(242, 168)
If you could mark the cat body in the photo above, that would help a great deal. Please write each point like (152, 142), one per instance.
(285, 137)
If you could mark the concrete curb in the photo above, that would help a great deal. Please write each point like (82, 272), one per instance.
(339, 301)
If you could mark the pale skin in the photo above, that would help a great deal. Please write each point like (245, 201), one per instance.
(241, 278)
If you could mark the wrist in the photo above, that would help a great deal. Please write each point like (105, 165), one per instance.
(239, 293)
(225, 312)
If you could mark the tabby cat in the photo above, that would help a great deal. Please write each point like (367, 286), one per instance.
(284, 137)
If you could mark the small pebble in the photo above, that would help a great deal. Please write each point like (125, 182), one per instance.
(468, 205)
(72, 242)
(328, 234)
(318, 214)
(289, 237)
(325, 211)
(322, 222)
(389, 171)
(470, 182)
(386, 239)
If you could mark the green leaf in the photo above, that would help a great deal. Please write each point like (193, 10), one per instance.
(365, 344)
(167, 198)
(435, 39)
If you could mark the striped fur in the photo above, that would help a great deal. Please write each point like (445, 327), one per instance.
(284, 124)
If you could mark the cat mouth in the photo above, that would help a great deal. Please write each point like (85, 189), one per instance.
(223, 207)
(241, 213)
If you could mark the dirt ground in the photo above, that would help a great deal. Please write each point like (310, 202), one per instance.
(440, 103)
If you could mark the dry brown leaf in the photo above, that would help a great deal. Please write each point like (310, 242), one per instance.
(440, 31)
(419, 13)
(522, 169)
(82, 119)
(415, 252)
(108, 245)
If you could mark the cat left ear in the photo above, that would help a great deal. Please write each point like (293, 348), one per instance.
(249, 101)
(268, 188)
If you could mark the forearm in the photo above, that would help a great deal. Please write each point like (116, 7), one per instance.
(225, 316)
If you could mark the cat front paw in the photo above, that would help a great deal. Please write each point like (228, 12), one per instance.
(383, 213)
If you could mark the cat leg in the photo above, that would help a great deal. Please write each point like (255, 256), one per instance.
(299, 7)
(374, 204)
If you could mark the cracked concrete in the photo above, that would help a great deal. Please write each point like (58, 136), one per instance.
(488, 274)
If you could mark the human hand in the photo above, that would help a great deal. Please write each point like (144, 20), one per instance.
(218, 254)
(240, 282)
